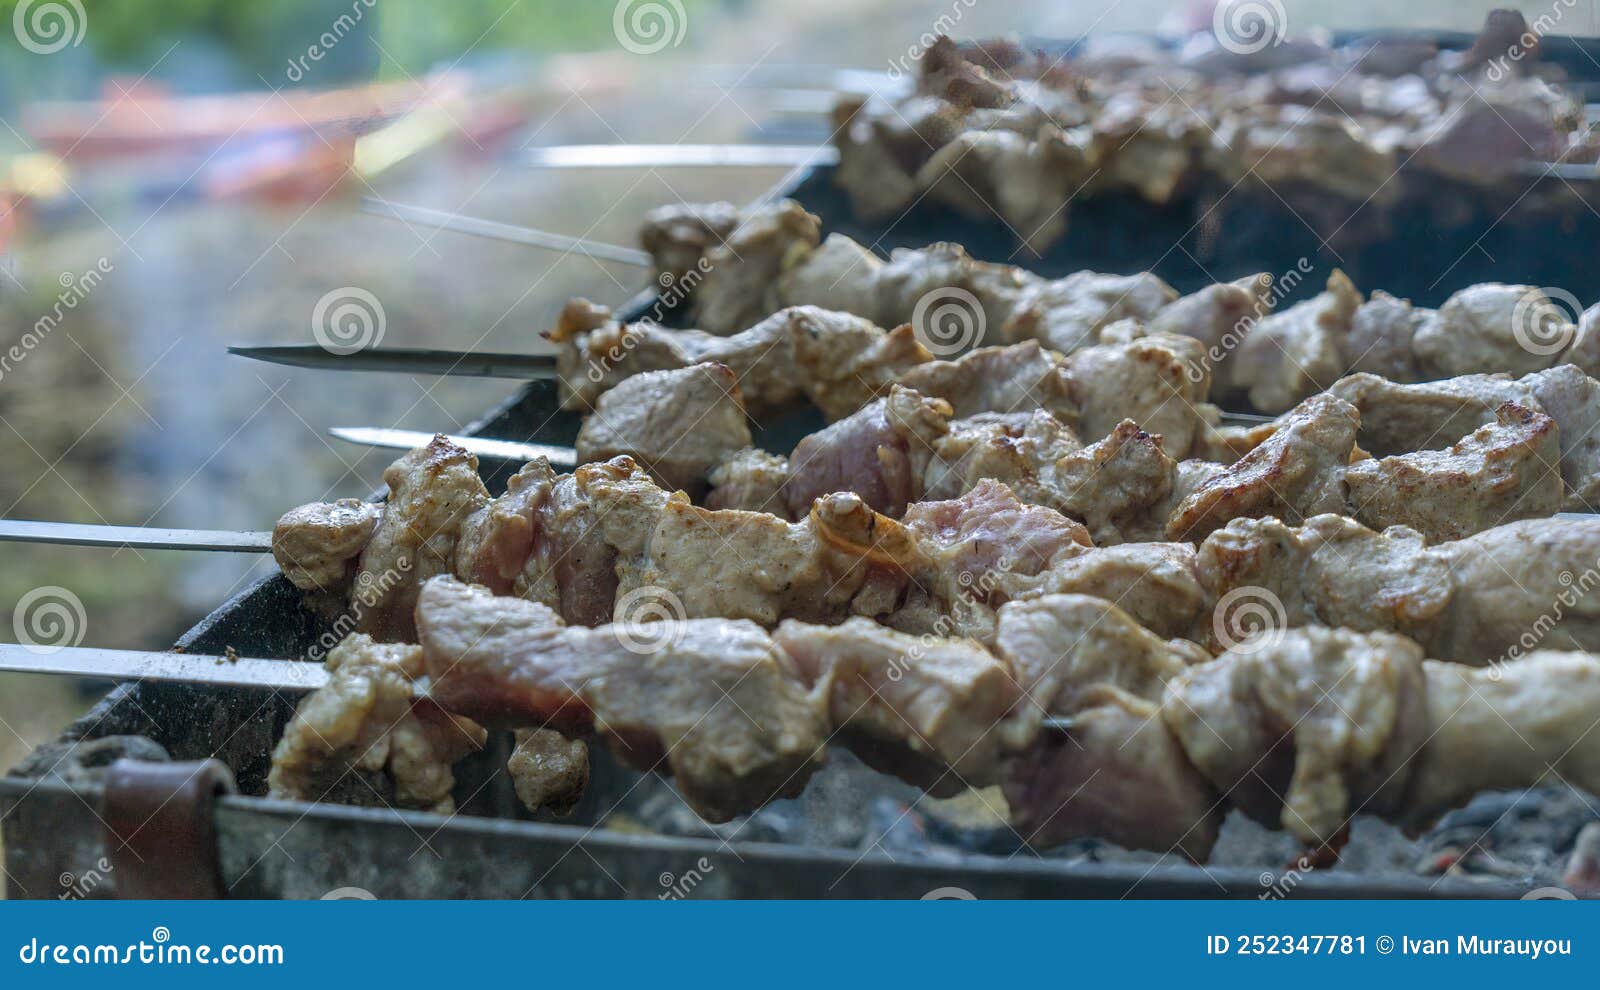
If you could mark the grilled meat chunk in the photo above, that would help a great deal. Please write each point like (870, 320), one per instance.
(317, 544)
(1498, 473)
(880, 453)
(677, 424)
(711, 701)
(1289, 355)
(837, 361)
(1303, 727)
(1296, 473)
(926, 710)
(548, 770)
(433, 491)
(1117, 771)
(1488, 327)
(741, 280)
(365, 738)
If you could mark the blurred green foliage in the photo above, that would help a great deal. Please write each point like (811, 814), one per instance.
(391, 37)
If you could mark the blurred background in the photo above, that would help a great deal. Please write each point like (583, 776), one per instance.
(180, 175)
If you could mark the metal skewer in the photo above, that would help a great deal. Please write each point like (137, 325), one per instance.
(493, 230)
(194, 668)
(407, 361)
(680, 156)
(181, 668)
(132, 537)
(500, 450)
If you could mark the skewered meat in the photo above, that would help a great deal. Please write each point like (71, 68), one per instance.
(1487, 328)
(1296, 473)
(1499, 473)
(740, 284)
(1500, 592)
(1382, 338)
(365, 738)
(1402, 418)
(836, 361)
(317, 544)
(1065, 314)
(1158, 382)
(924, 710)
(678, 236)
(1331, 571)
(1300, 728)
(1016, 378)
(433, 491)
(881, 453)
(1019, 449)
(1290, 355)
(1275, 360)
(678, 424)
(1019, 138)
(715, 701)
(1117, 771)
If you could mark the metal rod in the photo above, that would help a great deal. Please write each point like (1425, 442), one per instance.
(211, 670)
(407, 361)
(494, 230)
(500, 450)
(680, 156)
(181, 668)
(134, 537)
